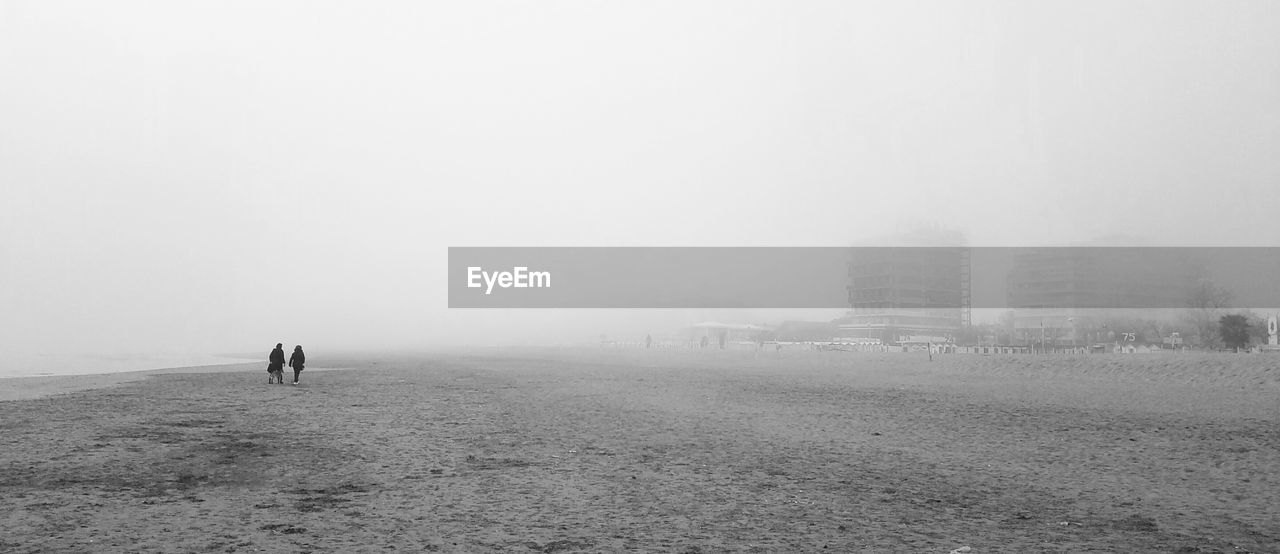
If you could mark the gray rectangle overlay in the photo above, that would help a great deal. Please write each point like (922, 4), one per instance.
(863, 277)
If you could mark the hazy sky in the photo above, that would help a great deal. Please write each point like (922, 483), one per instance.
(228, 175)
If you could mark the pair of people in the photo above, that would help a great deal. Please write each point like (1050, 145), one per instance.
(275, 365)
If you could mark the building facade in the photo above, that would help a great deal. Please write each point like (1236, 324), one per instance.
(906, 294)
(1061, 295)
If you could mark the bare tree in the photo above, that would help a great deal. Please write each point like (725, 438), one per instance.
(1206, 304)
(1208, 295)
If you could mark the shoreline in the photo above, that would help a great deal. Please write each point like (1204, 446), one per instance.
(29, 387)
(32, 387)
(96, 365)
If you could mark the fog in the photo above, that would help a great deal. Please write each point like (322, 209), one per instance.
(219, 177)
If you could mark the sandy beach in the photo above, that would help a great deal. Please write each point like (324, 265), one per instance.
(654, 451)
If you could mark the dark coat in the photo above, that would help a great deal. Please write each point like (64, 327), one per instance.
(297, 360)
(277, 359)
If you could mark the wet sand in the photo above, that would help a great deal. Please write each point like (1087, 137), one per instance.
(649, 451)
(19, 388)
(26, 388)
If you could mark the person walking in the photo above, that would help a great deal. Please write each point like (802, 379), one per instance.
(275, 365)
(296, 361)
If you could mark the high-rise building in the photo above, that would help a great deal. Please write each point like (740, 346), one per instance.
(1057, 291)
(906, 294)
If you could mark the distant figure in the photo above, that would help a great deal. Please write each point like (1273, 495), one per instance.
(275, 365)
(296, 361)
(705, 340)
(723, 336)
(648, 341)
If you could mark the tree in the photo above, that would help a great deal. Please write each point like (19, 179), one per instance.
(1234, 329)
(1258, 326)
(1206, 302)
(1208, 295)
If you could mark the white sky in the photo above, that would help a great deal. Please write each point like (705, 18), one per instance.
(228, 175)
